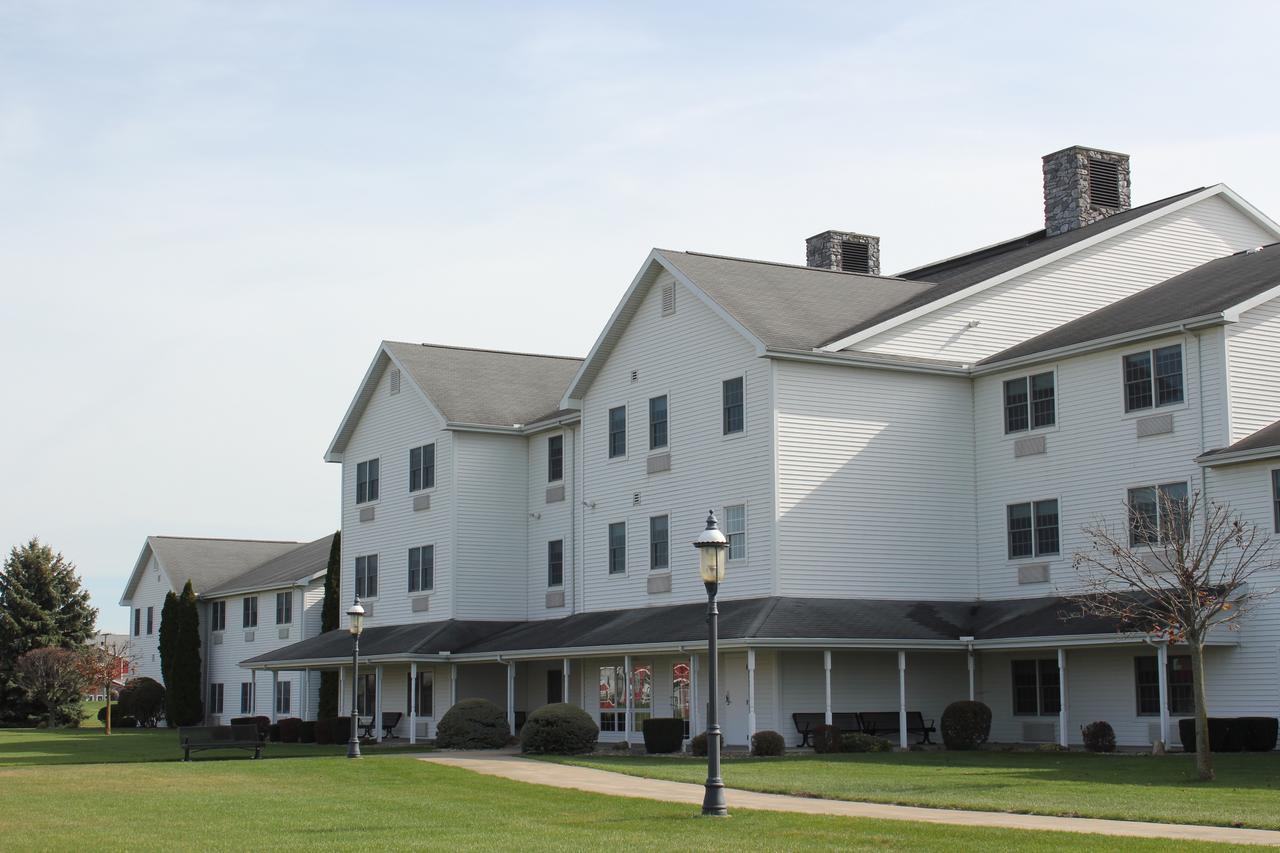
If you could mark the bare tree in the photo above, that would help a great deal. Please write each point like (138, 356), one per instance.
(102, 664)
(51, 676)
(1179, 569)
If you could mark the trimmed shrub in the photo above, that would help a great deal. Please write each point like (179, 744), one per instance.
(863, 742)
(473, 724)
(264, 725)
(273, 732)
(559, 729)
(826, 738)
(124, 721)
(663, 734)
(767, 743)
(325, 729)
(965, 724)
(116, 714)
(143, 699)
(290, 729)
(698, 744)
(1259, 733)
(1225, 734)
(1051, 747)
(341, 729)
(1099, 736)
(307, 731)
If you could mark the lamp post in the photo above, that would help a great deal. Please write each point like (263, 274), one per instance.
(712, 547)
(356, 618)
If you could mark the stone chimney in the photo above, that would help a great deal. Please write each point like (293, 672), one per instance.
(843, 251)
(1083, 185)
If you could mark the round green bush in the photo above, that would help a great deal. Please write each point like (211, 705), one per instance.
(766, 743)
(698, 744)
(559, 729)
(473, 724)
(965, 724)
(143, 699)
(1099, 737)
(863, 742)
(663, 735)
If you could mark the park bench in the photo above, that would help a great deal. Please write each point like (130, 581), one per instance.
(885, 724)
(240, 736)
(807, 722)
(390, 719)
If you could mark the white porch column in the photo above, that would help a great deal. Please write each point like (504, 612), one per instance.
(275, 694)
(826, 667)
(453, 684)
(413, 702)
(972, 693)
(306, 693)
(626, 681)
(693, 696)
(751, 693)
(1162, 667)
(1062, 697)
(342, 689)
(377, 703)
(511, 696)
(564, 678)
(902, 699)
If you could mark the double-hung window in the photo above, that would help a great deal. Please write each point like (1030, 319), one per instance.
(284, 691)
(1033, 529)
(555, 562)
(422, 568)
(618, 548)
(215, 698)
(246, 697)
(218, 616)
(1035, 687)
(284, 608)
(617, 432)
(555, 458)
(367, 481)
(420, 690)
(735, 530)
(1153, 378)
(1275, 496)
(1029, 403)
(137, 621)
(249, 612)
(1158, 514)
(366, 694)
(1146, 676)
(367, 576)
(657, 422)
(659, 543)
(731, 404)
(613, 698)
(422, 469)
(151, 620)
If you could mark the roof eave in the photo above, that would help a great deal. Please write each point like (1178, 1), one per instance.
(1237, 457)
(867, 361)
(294, 583)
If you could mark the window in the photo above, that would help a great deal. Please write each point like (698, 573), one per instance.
(367, 576)
(659, 543)
(735, 530)
(284, 608)
(215, 698)
(218, 616)
(555, 458)
(1157, 514)
(151, 620)
(1147, 681)
(1275, 496)
(613, 701)
(618, 548)
(366, 695)
(1033, 529)
(617, 432)
(555, 562)
(422, 469)
(246, 697)
(1145, 387)
(642, 694)
(680, 679)
(249, 612)
(731, 403)
(1029, 403)
(367, 481)
(423, 688)
(1035, 687)
(555, 686)
(284, 690)
(137, 622)
(422, 569)
(657, 422)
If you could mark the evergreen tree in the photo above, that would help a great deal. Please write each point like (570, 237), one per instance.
(167, 642)
(184, 706)
(329, 622)
(41, 604)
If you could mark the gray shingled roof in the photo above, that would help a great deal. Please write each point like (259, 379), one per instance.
(791, 307)
(1208, 289)
(422, 638)
(1264, 439)
(488, 387)
(298, 564)
(207, 563)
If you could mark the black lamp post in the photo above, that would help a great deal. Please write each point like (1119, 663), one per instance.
(712, 547)
(356, 618)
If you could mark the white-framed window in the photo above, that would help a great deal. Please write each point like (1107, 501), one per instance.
(215, 698)
(366, 694)
(657, 422)
(246, 697)
(1153, 378)
(422, 568)
(284, 608)
(1158, 514)
(613, 698)
(422, 469)
(617, 432)
(735, 530)
(137, 621)
(681, 678)
(151, 620)
(618, 548)
(1033, 529)
(284, 693)
(423, 686)
(218, 616)
(732, 406)
(249, 612)
(1146, 682)
(659, 543)
(367, 481)
(366, 575)
(555, 562)
(555, 458)
(1030, 402)
(1035, 687)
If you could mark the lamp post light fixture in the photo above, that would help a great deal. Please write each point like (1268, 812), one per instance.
(713, 549)
(355, 615)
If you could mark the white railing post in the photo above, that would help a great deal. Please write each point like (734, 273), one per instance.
(1162, 666)
(751, 693)
(902, 699)
(413, 702)
(826, 668)
(1062, 697)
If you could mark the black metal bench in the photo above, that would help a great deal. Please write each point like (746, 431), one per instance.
(885, 723)
(239, 736)
(806, 723)
(390, 719)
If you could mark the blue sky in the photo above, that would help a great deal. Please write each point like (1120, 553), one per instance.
(214, 211)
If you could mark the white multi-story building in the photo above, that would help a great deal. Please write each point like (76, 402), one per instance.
(903, 465)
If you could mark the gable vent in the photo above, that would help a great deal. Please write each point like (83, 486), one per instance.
(635, 499)
(668, 300)
(1104, 183)
(635, 374)
(395, 380)
(854, 257)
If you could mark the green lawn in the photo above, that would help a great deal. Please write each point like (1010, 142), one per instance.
(90, 711)
(1133, 787)
(393, 801)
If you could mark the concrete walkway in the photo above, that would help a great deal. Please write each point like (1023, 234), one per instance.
(595, 781)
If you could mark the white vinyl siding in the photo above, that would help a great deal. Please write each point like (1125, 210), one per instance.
(493, 486)
(1253, 355)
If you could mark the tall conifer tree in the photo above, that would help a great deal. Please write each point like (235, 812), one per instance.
(329, 622)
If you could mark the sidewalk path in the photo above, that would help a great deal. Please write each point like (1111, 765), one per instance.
(619, 785)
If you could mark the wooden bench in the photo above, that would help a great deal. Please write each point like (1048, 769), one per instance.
(240, 736)
(807, 722)
(885, 723)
